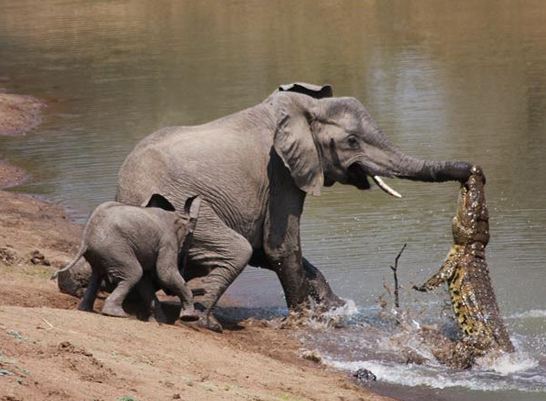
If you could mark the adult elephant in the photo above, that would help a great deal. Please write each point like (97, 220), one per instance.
(253, 170)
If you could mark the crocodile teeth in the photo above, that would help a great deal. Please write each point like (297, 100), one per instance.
(381, 184)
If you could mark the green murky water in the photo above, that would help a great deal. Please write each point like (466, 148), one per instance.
(445, 80)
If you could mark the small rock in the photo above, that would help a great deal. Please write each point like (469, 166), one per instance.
(176, 396)
(414, 357)
(16, 334)
(37, 254)
(38, 258)
(10, 398)
(8, 256)
(364, 376)
(313, 356)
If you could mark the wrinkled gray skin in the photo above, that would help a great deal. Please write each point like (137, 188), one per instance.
(138, 247)
(254, 169)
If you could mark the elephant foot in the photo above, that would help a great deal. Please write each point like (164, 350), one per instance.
(159, 316)
(209, 322)
(114, 311)
(206, 319)
(84, 307)
(318, 289)
(189, 315)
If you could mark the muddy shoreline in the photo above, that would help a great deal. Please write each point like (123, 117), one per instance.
(49, 350)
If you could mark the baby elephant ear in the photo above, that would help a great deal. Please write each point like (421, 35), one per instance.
(191, 208)
(316, 91)
(295, 145)
(157, 200)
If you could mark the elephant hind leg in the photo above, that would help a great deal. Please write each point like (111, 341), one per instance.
(88, 300)
(152, 306)
(128, 274)
(223, 253)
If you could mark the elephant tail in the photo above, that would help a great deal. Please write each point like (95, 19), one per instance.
(83, 249)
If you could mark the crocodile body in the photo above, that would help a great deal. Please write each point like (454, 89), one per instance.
(467, 276)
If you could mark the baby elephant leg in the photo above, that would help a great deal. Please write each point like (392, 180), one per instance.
(127, 274)
(147, 291)
(90, 295)
(169, 278)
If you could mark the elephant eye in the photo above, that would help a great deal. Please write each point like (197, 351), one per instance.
(352, 141)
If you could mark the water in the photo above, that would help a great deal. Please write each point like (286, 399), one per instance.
(445, 80)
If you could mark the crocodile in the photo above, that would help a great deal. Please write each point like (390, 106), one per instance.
(467, 276)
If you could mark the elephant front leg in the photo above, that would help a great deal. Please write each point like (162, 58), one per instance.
(170, 279)
(318, 288)
(301, 281)
(292, 277)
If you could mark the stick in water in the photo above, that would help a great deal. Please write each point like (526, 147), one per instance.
(394, 269)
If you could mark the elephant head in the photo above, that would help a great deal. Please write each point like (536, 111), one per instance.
(323, 140)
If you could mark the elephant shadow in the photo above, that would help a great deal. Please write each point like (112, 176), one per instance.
(229, 316)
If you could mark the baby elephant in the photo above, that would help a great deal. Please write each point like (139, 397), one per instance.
(138, 247)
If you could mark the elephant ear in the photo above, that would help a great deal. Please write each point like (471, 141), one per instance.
(315, 91)
(157, 200)
(191, 208)
(295, 144)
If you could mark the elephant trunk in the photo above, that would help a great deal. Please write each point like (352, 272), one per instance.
(411, 168)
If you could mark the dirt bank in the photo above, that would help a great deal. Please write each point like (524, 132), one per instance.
(50, 351)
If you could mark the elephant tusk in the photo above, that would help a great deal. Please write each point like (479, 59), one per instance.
(381, 184)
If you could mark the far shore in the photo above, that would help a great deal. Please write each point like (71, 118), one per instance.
(19, 114)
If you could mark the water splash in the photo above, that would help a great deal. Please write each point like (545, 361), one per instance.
(387, 342)
(439, 378)
(530, 314)
(507, 364)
